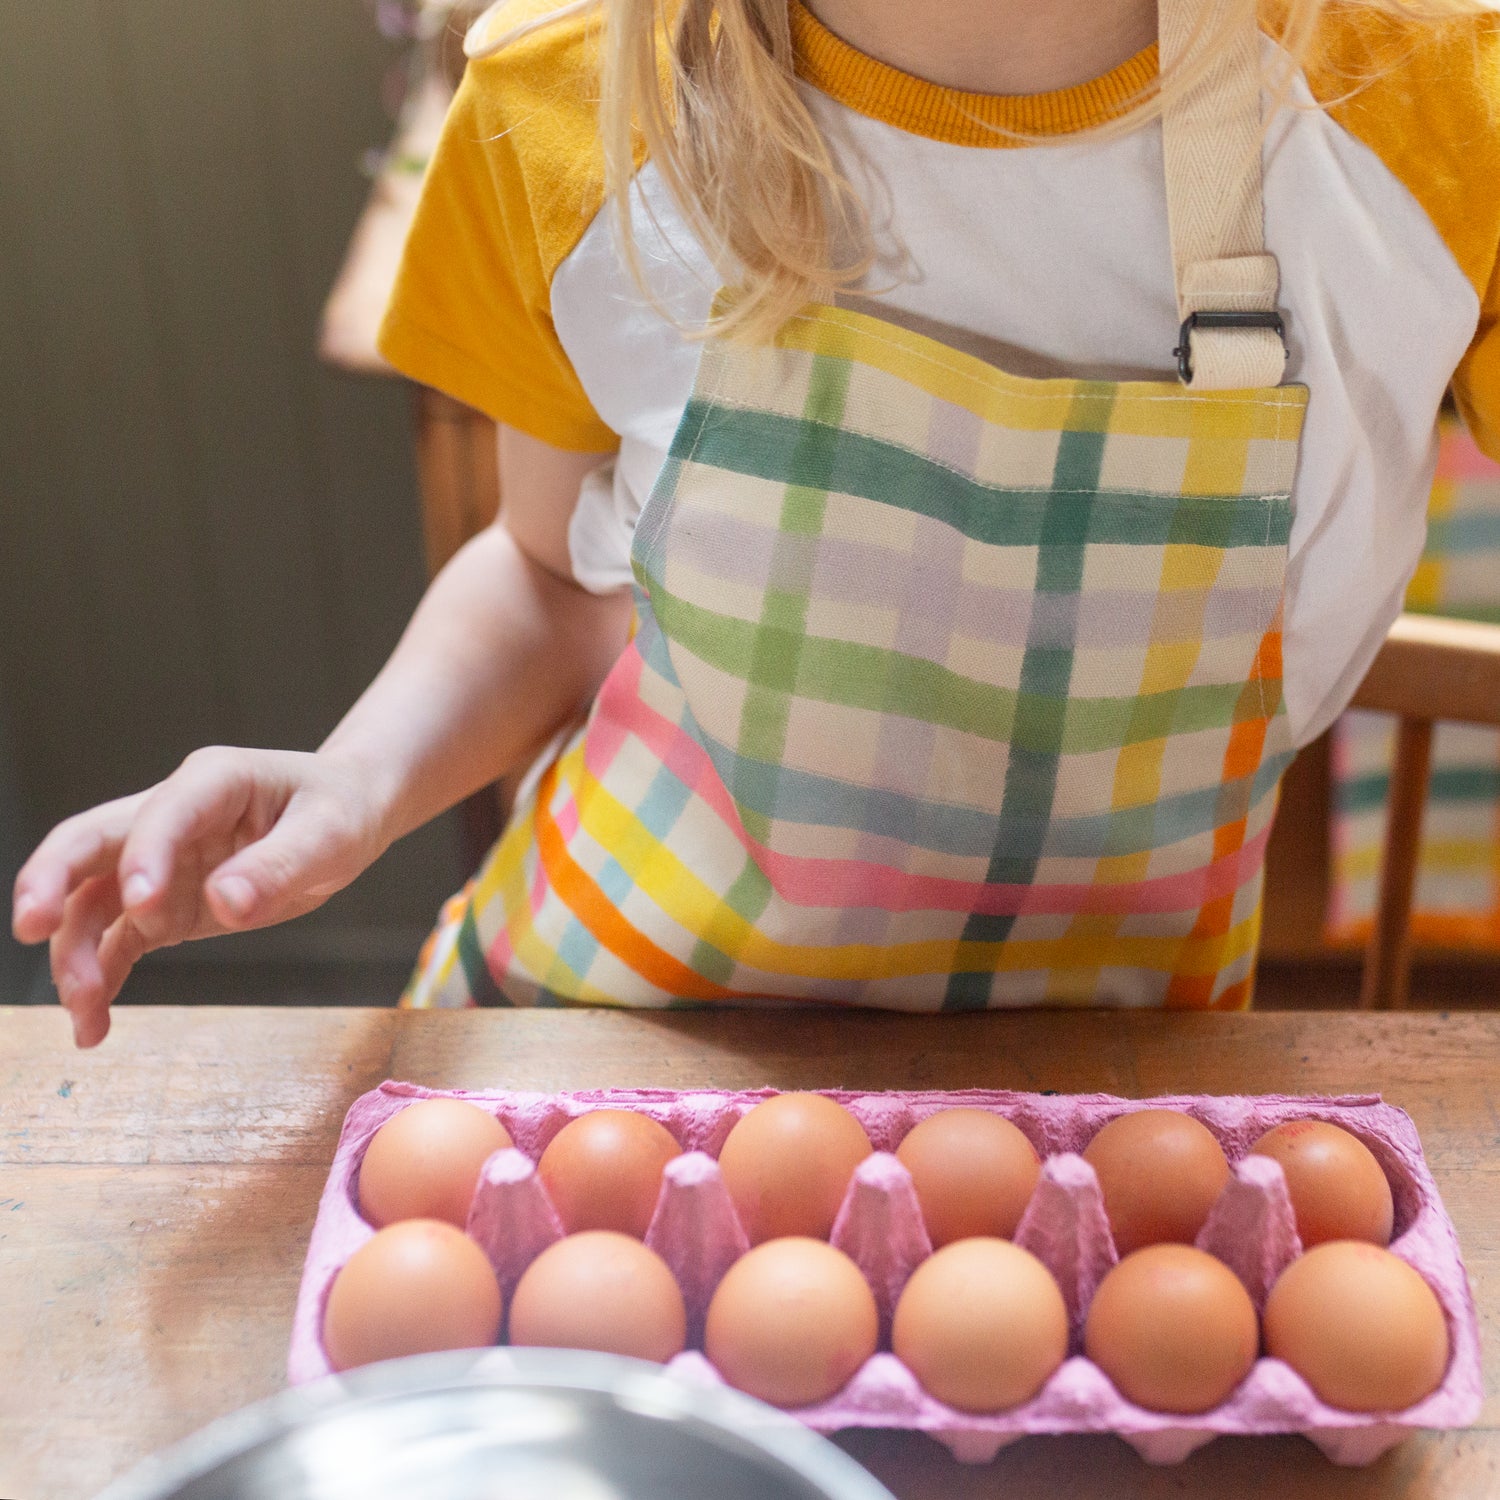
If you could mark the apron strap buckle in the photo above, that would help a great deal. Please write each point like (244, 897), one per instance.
(1241, 319)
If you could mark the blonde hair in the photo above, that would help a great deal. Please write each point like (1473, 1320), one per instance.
(707, 90)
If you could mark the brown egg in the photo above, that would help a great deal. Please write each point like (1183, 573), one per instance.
(416, 1287)
(1360, 1326)
(600, 1290)
(1160, 1172)
(603, 1170)
(1173, 1328)
(787, 1165)
(974, 1173)
(791, 1322)
(1337, 1188)
(981, 1324)
(423, 1163)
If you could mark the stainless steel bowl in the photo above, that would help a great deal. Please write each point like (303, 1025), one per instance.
(503, 1424)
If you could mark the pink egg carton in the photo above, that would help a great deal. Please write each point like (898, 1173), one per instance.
(697, 1231)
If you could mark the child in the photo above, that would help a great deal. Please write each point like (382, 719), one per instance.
(934, 631)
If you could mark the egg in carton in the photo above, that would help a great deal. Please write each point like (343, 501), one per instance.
(697, 1231)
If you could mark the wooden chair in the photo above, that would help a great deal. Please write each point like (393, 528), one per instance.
(459, 472)
(1428, 669)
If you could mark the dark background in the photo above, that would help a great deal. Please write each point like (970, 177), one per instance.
(205, 536)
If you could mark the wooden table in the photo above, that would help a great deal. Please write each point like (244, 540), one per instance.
(156, 1198)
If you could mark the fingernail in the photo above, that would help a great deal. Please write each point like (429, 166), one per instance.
(91, 1031)
(236, 893)
(25, 907)
(137, 889)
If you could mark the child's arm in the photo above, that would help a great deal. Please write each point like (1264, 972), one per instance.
(503, 649)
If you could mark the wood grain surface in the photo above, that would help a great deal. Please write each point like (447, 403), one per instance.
(156, 1198)
(1438, 668)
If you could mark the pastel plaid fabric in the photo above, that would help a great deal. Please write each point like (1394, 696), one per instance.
(950, 689)
(1457, 897)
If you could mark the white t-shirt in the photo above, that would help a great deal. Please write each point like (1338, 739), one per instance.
(1045, 259)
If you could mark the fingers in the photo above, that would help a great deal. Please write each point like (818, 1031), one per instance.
(234, 839)
(75, 851)
(183, 828)
(122, 947)
(314, 849)
(84, 985)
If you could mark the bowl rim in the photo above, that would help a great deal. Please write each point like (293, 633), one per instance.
(629, 1384)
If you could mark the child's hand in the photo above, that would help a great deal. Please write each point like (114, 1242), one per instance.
(233, 839)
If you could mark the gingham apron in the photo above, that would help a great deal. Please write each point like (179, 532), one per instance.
(949, 689)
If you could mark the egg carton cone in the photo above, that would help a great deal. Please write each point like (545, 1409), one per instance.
(698, 1233)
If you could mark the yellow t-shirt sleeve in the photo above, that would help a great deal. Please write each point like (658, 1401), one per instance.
(1426, 99)
(514, 182)
(1476, 383)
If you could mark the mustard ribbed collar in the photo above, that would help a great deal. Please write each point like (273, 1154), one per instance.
(912, 104)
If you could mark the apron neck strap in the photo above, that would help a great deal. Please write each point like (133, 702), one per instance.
(1232, 336)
